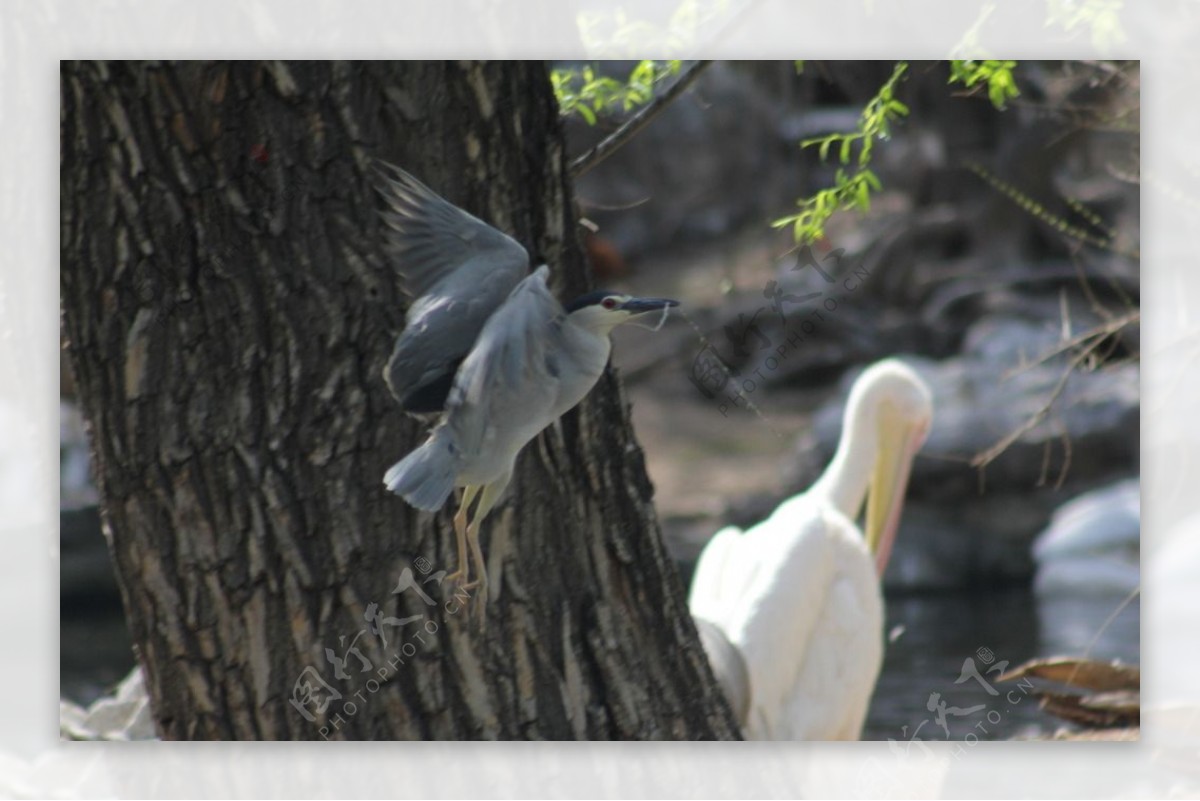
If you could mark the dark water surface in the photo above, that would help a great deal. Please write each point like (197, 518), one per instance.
(967, 639)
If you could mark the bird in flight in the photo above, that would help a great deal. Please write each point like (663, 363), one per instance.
(488, 348)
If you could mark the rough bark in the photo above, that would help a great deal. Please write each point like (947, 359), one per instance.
(227, 317)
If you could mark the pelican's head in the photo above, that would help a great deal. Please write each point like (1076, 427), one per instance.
(891, 408)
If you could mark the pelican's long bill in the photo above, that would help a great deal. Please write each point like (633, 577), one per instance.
(899, 440)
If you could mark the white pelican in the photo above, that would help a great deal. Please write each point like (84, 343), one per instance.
(798, 594)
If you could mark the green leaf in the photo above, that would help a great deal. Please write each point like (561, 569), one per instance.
(852, 187)
(863, 196)
(996, 74)
(845, 152)
(864, 155)
(584, 88)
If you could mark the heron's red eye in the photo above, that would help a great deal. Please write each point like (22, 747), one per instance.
(609, 303)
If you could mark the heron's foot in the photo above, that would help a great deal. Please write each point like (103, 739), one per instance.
(458, 579)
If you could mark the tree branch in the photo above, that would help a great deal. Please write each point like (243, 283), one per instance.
(1096, 336)
(619, 137)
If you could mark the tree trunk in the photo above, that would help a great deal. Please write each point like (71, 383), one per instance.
(227, 317)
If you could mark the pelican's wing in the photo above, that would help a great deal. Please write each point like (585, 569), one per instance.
(457, 270)
(728, 667)
(722, 575)
(505, 391)
(809, 626)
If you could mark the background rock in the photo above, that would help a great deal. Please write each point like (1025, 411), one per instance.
(1092, 544)
(126, 715)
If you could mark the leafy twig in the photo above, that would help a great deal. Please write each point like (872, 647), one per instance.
(996, 74)
(587, 94)
(1032, 206)
(619, 137)
(851, 189)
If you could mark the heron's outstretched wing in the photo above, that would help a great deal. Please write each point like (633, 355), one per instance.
(432, 239)
(457, 270)
(505, 392)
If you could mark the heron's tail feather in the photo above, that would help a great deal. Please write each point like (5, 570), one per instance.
(425, 478)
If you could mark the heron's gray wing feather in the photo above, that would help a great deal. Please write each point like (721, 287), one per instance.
(432, 240)
(456, 269)
(442, 327)
(504, 387)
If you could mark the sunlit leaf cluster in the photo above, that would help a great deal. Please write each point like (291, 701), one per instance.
(589, 94)
(996, 75)
(854, 181)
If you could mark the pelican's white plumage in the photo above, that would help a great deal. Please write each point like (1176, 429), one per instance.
(798, 594)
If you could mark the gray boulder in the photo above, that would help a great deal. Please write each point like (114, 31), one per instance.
(126, 715)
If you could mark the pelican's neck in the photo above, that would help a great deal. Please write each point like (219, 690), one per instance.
(844, 482)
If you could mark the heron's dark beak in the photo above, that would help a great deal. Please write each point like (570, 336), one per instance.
(644, 305)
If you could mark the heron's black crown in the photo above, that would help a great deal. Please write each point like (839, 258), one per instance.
(590, 299)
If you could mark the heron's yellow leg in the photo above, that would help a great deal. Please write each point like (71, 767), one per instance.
(491, 494)
(460, 534)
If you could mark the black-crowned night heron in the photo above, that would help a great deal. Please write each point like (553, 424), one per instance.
(490, 347)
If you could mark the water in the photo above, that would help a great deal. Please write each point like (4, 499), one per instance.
(985, 630)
